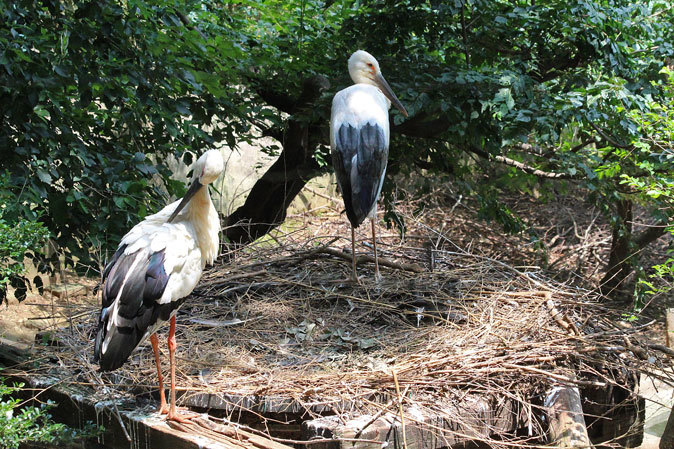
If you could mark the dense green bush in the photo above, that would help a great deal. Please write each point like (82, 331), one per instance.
(19, 238)
(33, 424)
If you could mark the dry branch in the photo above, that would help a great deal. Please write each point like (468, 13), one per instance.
(360, 260)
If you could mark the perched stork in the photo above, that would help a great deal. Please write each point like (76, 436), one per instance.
(157, 264)
(359, 140)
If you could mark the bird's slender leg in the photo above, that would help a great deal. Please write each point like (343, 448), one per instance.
(377, 276)
(172, 413)
(354, 274)
(163, 407)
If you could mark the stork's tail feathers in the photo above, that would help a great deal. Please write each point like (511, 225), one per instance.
(360, 159)
(119, 346)
(131, 311)
(114, 344)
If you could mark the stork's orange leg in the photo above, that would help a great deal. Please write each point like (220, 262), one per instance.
(172, 413)
(163, 407)
(377, 276)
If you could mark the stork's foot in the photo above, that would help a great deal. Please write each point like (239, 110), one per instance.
(184, 417)
(163, 409)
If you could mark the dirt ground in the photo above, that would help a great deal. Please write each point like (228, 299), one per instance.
(20, 322)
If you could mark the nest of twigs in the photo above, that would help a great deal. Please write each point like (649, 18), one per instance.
(277, 319)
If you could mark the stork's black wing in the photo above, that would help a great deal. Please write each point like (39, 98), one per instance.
(359, 160)
(133, 284)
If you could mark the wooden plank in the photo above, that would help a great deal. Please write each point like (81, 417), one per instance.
(72, 408)
(259, 404)
(473, 419)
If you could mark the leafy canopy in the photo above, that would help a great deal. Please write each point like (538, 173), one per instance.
(502, 95)
(94, 97)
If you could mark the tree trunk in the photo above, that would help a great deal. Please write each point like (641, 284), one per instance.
(266, 204)
(620, 258)
(615, 414)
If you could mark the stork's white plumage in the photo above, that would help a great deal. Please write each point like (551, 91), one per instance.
(157, 264)
(359, 141)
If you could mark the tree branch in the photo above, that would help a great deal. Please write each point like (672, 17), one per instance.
(583, 144)
(650, 235)
(311, 90)
(547, 152)
(273, 132)
(280, 100)
(267, 131)
(465, 34)
(609, 139)
(551, 67)
(188, 23)
(522, 166)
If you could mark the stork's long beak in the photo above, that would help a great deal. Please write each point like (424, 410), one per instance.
(194, 188)
(386, 89)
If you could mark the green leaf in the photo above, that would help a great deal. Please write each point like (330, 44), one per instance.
(43, 175)
(41, 112)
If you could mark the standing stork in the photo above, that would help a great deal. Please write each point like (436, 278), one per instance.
(157, 264)
(359, 140)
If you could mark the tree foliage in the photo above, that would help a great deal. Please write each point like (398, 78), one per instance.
(94, 96)
(513, 95)
(502, 95)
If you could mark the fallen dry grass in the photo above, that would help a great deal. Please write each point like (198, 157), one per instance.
(277, 320)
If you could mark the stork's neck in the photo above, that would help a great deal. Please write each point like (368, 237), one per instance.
(372, 85)
(203, 216)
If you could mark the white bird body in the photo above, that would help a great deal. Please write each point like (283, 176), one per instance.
(157, 264)
(194, 234)
(357, 106)
(189, 243)
(359, 140)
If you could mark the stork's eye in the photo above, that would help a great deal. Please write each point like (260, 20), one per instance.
(369, 64)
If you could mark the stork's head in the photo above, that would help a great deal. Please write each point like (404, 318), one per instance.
(206, 170)
(208, 167)
(363, 68)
